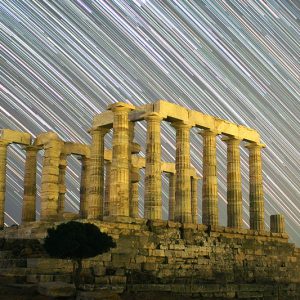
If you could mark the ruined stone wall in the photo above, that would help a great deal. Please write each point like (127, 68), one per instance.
(189, 259)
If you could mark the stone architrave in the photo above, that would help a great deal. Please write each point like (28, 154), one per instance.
(3, 154)
(256, 197)
(83, 212)
(277, 224)
(234, 183)
(210, 214)
(194, 199)
(172, 189)
(95, 171)
(153, 192)
(183, 209)
(120, 168)
(50, 180)
(107, 188)
(29, 198)
(62, 183)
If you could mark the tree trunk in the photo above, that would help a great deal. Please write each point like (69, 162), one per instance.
(76, 272)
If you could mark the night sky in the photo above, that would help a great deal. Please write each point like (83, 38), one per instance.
(64, 61)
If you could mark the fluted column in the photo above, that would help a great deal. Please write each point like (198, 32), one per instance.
(194, 199)
(83, 210)
(153, 200)
(183, 209)
(120, 168)
(62, 183)
(29, 198)
(256, 197)
(210, 214)
(95, 172)
(277, 223)
(234, 183)
(172, 189)
(134, 200)
(3, 154)
(50, 180)
(107, 188)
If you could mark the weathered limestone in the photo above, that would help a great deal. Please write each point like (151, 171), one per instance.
(277, 224)
(62, 183)
(210, 214)
(96, 174)
(172, 190)
(234, 183)
(194, 199)
(3, 153)
(153, 201)
(183, 212)
(29, 198)
(83, 211)
(256, 197)
(50, 180)
(119, 174)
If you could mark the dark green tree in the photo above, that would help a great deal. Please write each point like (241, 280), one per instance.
(76, 241)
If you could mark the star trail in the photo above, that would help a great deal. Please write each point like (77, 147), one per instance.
(64, 61)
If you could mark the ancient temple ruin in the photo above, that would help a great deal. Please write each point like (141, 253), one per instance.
(119, 196)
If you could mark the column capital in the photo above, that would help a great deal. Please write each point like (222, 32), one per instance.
(101, 129)
(153, 116)
(181, 124)
(231, 139)
(31, 148)
(119, 106)
(255, 145)
(208, 132)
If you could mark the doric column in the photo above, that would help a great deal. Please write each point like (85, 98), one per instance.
(29, 198)
(194, 199)
(172, 189)
(83, 187)
(95, 172)
(107, 188)
(50, 180)
(234, 183)
(277, 223)
(256, 197)
(153, 200)
(62, 183)
(134, 200)
(3, 154)
(120, 168)
(210, 214)
(183, 209)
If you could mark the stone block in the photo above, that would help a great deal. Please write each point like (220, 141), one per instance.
(56, 289)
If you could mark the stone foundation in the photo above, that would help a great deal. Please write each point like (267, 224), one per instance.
(165, 258)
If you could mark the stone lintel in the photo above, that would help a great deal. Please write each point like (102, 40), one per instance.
(13, 136)
(77, 149)
(45, 138)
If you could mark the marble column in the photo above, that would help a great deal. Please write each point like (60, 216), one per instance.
(234, 183)
(3, 154)
(153, 192)
(172, 189)
(134, 200)
(107, 188)
(120, 168)
(183, 209)
(277, 223)
(29, 198)
(50, 180)
(210, 214)
(62, 183)
(95, 171)
(194, 199)
(256, 197)
(83, 210)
